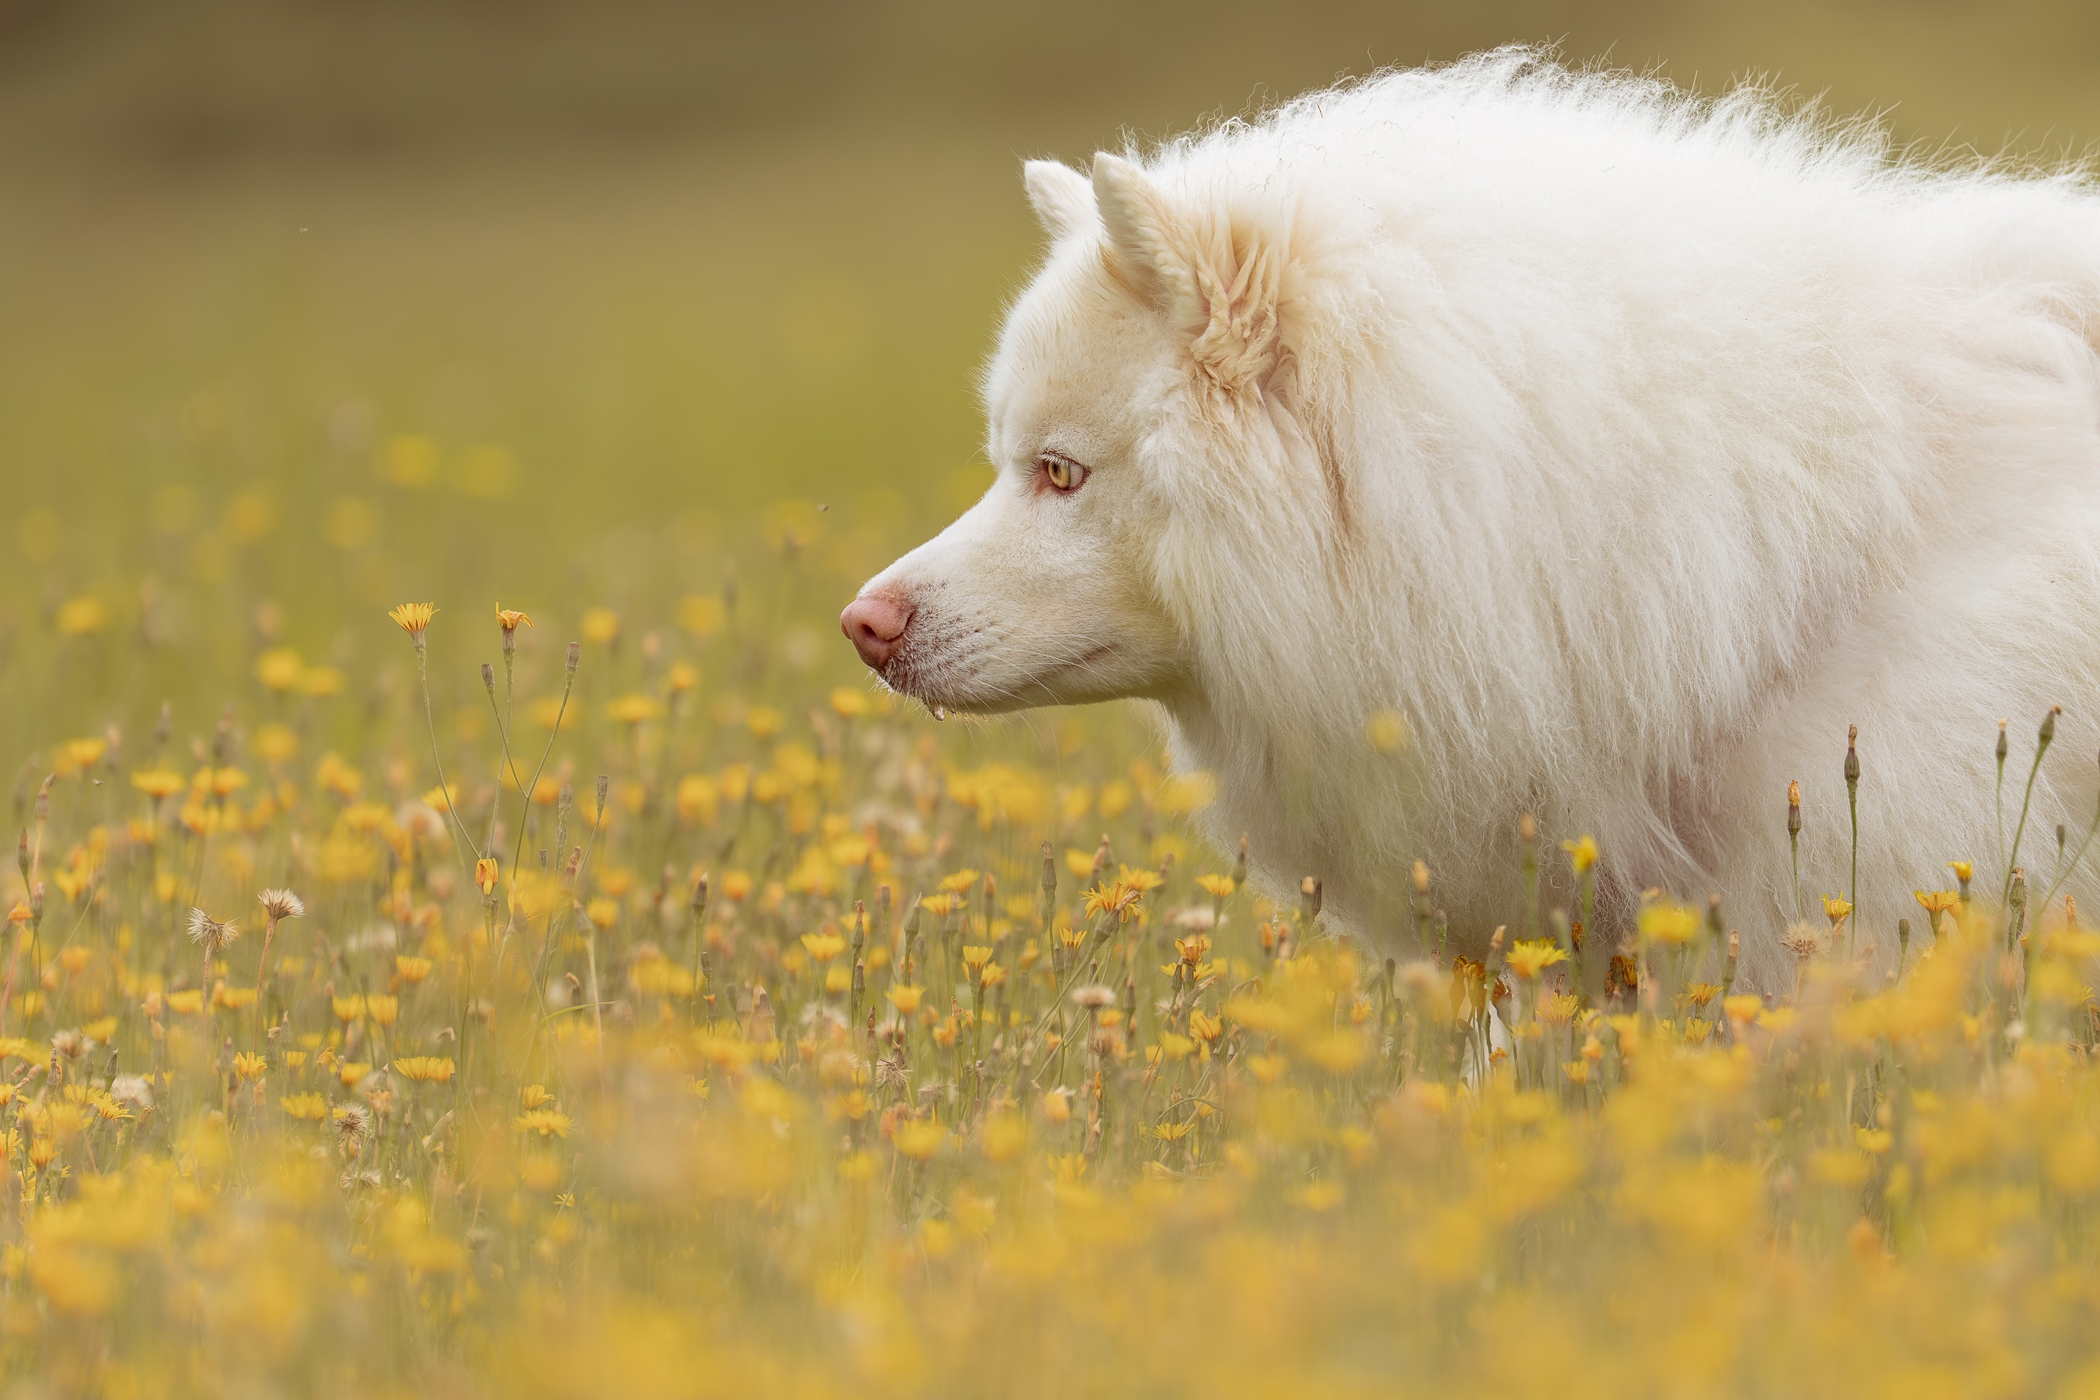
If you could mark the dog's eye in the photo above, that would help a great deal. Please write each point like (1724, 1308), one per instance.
(1062, 473)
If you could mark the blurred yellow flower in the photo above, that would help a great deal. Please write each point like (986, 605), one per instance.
(635, 709)
(1669, 923)
(544, 1121)
(920, 1140)
(159, 782)
(81, 617)
(308, 1108)
(823, 947)
(701, 614)
(279, 669)
(1387, 731)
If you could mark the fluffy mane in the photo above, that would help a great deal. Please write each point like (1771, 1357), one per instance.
(1631, 445)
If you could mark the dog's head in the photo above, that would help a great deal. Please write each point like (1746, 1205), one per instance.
(1135, 382)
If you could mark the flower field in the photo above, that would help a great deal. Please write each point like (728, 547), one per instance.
(661, 1040)
(473, 929)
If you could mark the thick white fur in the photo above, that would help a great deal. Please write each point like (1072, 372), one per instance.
(1630, 446)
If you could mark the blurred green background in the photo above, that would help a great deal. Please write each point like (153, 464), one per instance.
(314, 306)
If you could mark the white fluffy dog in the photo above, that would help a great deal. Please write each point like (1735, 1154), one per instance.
(1629, 446)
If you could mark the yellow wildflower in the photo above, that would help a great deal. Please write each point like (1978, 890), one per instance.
(544, 1121)
(308, 1108)
(1527, 959)
(1669, 923)
(413, 618)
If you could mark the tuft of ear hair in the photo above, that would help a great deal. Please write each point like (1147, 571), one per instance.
(1222, 285)
(1061, 197)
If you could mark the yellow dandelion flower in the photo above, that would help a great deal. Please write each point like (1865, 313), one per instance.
(279, 669)
(411, 970)
(1527, 959)
(919, 1140)
(1216, 886)
(1338, 1052)
(1582, 852)
(1115, 898)
(600, 626)
(1386, 731)
(425, 1069)
(635, 709)
(159, 782)
(534, 1096)
(307, 1108)
(1937, 902)
(509, 619)
(1669, 923)
(1743, 1009)
(905, 999)
(1836, 910)
(414, 618)
(823, 947)
(544, 1121)
(82, 617)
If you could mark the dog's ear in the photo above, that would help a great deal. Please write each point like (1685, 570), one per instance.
(1061, 198)
(1220, 284)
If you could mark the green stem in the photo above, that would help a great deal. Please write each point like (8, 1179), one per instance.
(430, 719)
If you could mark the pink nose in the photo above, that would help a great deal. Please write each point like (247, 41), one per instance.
(875, 624)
